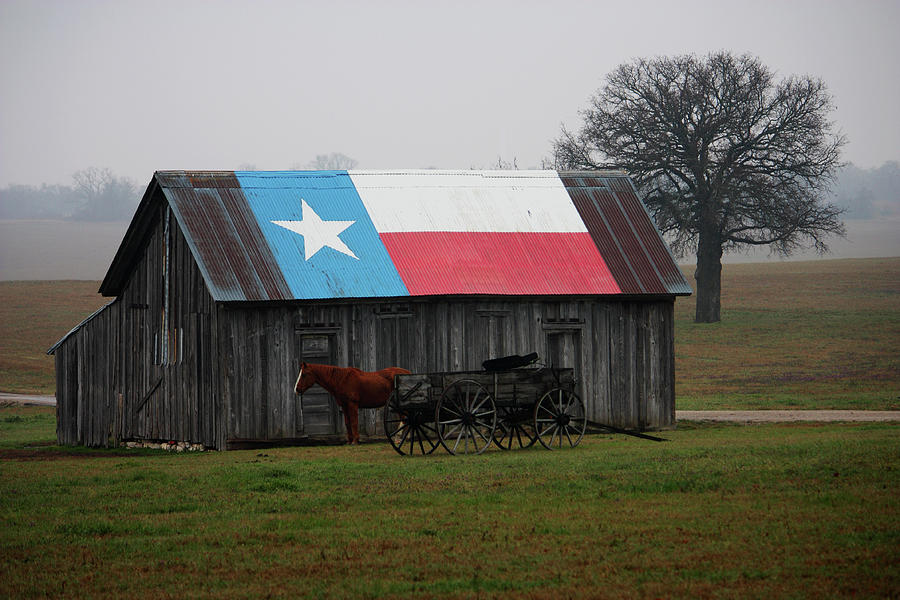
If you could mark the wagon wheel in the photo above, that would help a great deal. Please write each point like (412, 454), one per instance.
(559, 418)
(410, 430)
(515, 425)
(466, 417)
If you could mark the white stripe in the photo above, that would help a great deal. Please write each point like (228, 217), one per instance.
(470, 201)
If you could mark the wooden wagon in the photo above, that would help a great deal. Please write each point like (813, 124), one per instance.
(467, 411)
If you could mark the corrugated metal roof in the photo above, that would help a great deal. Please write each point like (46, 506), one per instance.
(268, 236)
(622, 228)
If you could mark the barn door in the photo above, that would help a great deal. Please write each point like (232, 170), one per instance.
(320, 412)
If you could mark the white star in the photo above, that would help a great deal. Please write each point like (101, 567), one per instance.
(318, 234)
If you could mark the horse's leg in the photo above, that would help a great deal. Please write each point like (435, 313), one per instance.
(353, 412)
(347, 409)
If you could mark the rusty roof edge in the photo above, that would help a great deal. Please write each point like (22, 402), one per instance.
(642, 243)
(169, 178)
(597, 173)
(611, 231)
(192, 245)
(682, 290)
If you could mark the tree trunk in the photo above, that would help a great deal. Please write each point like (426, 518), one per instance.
(709, 277)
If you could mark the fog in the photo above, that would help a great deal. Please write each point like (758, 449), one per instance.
(141, 86)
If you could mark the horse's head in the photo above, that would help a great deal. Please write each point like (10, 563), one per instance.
(305, 379)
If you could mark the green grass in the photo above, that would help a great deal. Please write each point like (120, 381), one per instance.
(21, 425)
(786, 511)
(800, 510)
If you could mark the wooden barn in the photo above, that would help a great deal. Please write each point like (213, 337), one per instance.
(226, 281)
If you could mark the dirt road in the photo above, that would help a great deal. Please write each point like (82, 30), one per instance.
(783, 416)
(27, 400)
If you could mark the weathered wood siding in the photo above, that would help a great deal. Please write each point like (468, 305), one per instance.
(86, 409)
(145, 368)
(622, 352)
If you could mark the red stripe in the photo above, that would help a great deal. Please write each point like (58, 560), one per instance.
(435, 263)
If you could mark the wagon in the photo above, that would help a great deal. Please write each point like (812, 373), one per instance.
(466, 411)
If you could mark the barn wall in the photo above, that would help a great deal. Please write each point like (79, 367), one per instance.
(168, 384)
(623, 353)
(145, 367)
(164, 362)
(86, 410)
(66, 361)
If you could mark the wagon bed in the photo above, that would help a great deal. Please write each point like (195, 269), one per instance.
(466, 411)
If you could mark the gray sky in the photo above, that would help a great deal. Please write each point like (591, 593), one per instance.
(141, 86)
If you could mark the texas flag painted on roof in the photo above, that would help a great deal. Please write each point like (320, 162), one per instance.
(372, 234)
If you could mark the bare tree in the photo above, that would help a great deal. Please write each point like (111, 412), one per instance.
(104, 197)
(506, 165)
(335, 161)
(725, 156)
(90, 182)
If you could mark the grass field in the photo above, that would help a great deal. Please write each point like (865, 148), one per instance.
(33, 316)
(821, 334)
(773, 511)
(803, 335)
(762, 511)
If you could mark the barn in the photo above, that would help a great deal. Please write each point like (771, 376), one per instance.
(225, 281)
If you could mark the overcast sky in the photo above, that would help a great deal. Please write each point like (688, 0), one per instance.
(142, 86)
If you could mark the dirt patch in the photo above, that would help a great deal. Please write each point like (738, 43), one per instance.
(47, 454)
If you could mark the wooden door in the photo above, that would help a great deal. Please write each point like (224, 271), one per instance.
(320, 413)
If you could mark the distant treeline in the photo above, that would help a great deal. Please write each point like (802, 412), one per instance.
(98, 195)
(869, 193)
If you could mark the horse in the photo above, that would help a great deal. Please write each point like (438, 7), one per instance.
(352, 389)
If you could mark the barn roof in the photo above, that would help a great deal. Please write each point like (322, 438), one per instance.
(288, 235)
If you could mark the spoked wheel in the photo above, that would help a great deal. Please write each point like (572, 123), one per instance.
(559, 419)
(515, 426)
(409, 430)
(466, 417)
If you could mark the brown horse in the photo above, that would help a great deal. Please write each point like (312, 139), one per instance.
(352, 389)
